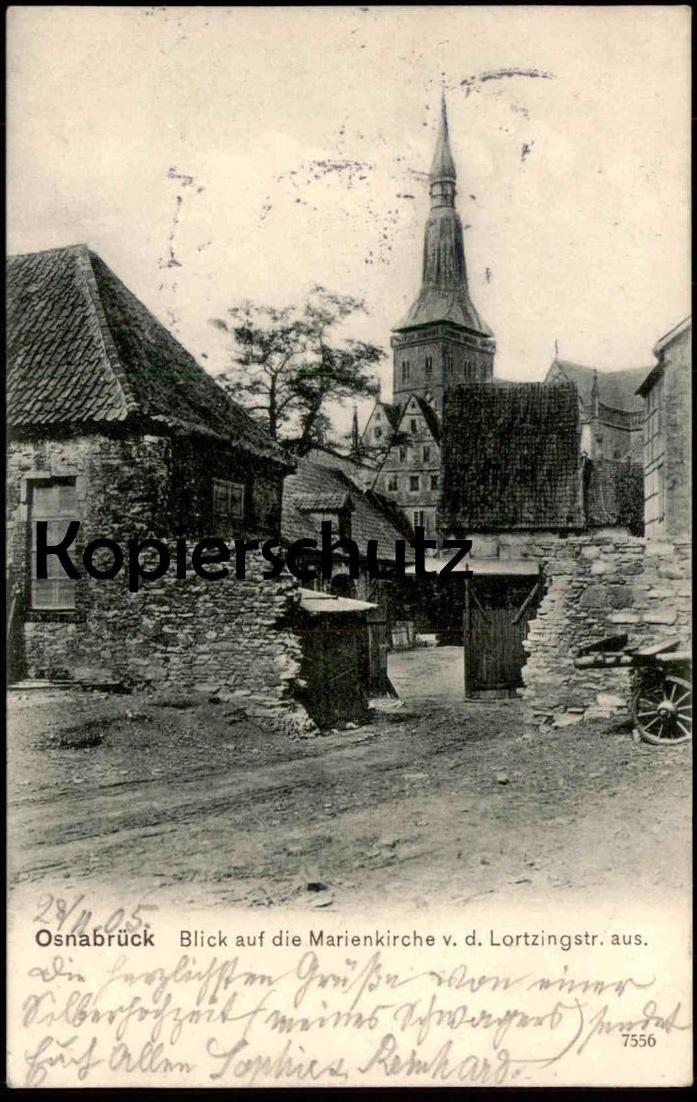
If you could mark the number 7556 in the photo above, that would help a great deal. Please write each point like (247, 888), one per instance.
(638, 1040)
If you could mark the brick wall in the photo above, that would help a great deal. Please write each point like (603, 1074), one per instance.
(599, 584)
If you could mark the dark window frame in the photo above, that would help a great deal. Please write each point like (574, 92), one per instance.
(57, 583)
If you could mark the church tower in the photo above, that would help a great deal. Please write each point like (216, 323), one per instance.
(442, 341)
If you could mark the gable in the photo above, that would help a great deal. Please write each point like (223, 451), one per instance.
(313, 483)
(616, 389)
(417, 407)
(82, 349)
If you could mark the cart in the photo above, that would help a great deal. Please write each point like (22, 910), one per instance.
(662, 683)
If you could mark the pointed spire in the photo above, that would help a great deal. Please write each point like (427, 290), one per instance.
(444, 295)
(443, 167)
(355, 439)
(595, 397)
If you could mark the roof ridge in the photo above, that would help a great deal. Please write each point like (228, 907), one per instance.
(44, 252)
(222, 398)
(602, 371)
(113, 361)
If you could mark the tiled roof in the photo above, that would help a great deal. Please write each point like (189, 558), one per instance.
(616, 389)
(510, 457)
(431, 418)
(360, 473)
(82, 349)
(371, 517)
(324, 501)
(392, 412)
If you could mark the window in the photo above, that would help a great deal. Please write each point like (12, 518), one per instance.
(413, 482)
(413, 425)
(54, 501)
(428, 366)
(402, 455)
(378, 416)
(434, 481)
(653, 444)
(418, 518)
(392, 483)
(340, 520)
(654, 454)
(426, 453)
(405, 371)
(448, 364)
(378, 433)
(228, 502)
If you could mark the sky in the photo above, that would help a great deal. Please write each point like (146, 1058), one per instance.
(213, 155)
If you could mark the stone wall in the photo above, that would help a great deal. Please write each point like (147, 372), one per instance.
(233, 637)
(677, 427)
(599, 584)
(196, 461)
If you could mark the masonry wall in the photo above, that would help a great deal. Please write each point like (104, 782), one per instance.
(234, 635)
(471, 357)
(597, 585)
(677, 411)
(196, 461)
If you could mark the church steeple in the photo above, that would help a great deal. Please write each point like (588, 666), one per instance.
(461, 346)
(443, 174)
(444, 290)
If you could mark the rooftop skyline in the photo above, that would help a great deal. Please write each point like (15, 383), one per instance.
(210, 156)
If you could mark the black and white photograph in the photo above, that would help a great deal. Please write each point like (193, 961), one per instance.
(348, 546)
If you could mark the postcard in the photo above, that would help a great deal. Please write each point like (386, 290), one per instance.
(349, 547)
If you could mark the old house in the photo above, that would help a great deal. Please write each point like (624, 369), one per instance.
(379, 429)
(410, 473)
(611, 414)
(667, 439)
(440, 343)
(558, 559)
(516, 483)
(112, 423)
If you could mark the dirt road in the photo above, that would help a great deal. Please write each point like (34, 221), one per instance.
(437, 800)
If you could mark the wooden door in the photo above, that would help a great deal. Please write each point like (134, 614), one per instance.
(496, 617)
(335, 668)
(378, 643)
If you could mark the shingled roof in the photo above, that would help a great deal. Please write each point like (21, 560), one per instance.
(83, 350)
(510, 458)
(372, 517)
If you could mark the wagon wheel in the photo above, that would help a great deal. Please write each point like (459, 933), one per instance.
(663, 710)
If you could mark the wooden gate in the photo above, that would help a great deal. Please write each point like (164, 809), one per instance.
(495, 623)
(379, 683)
